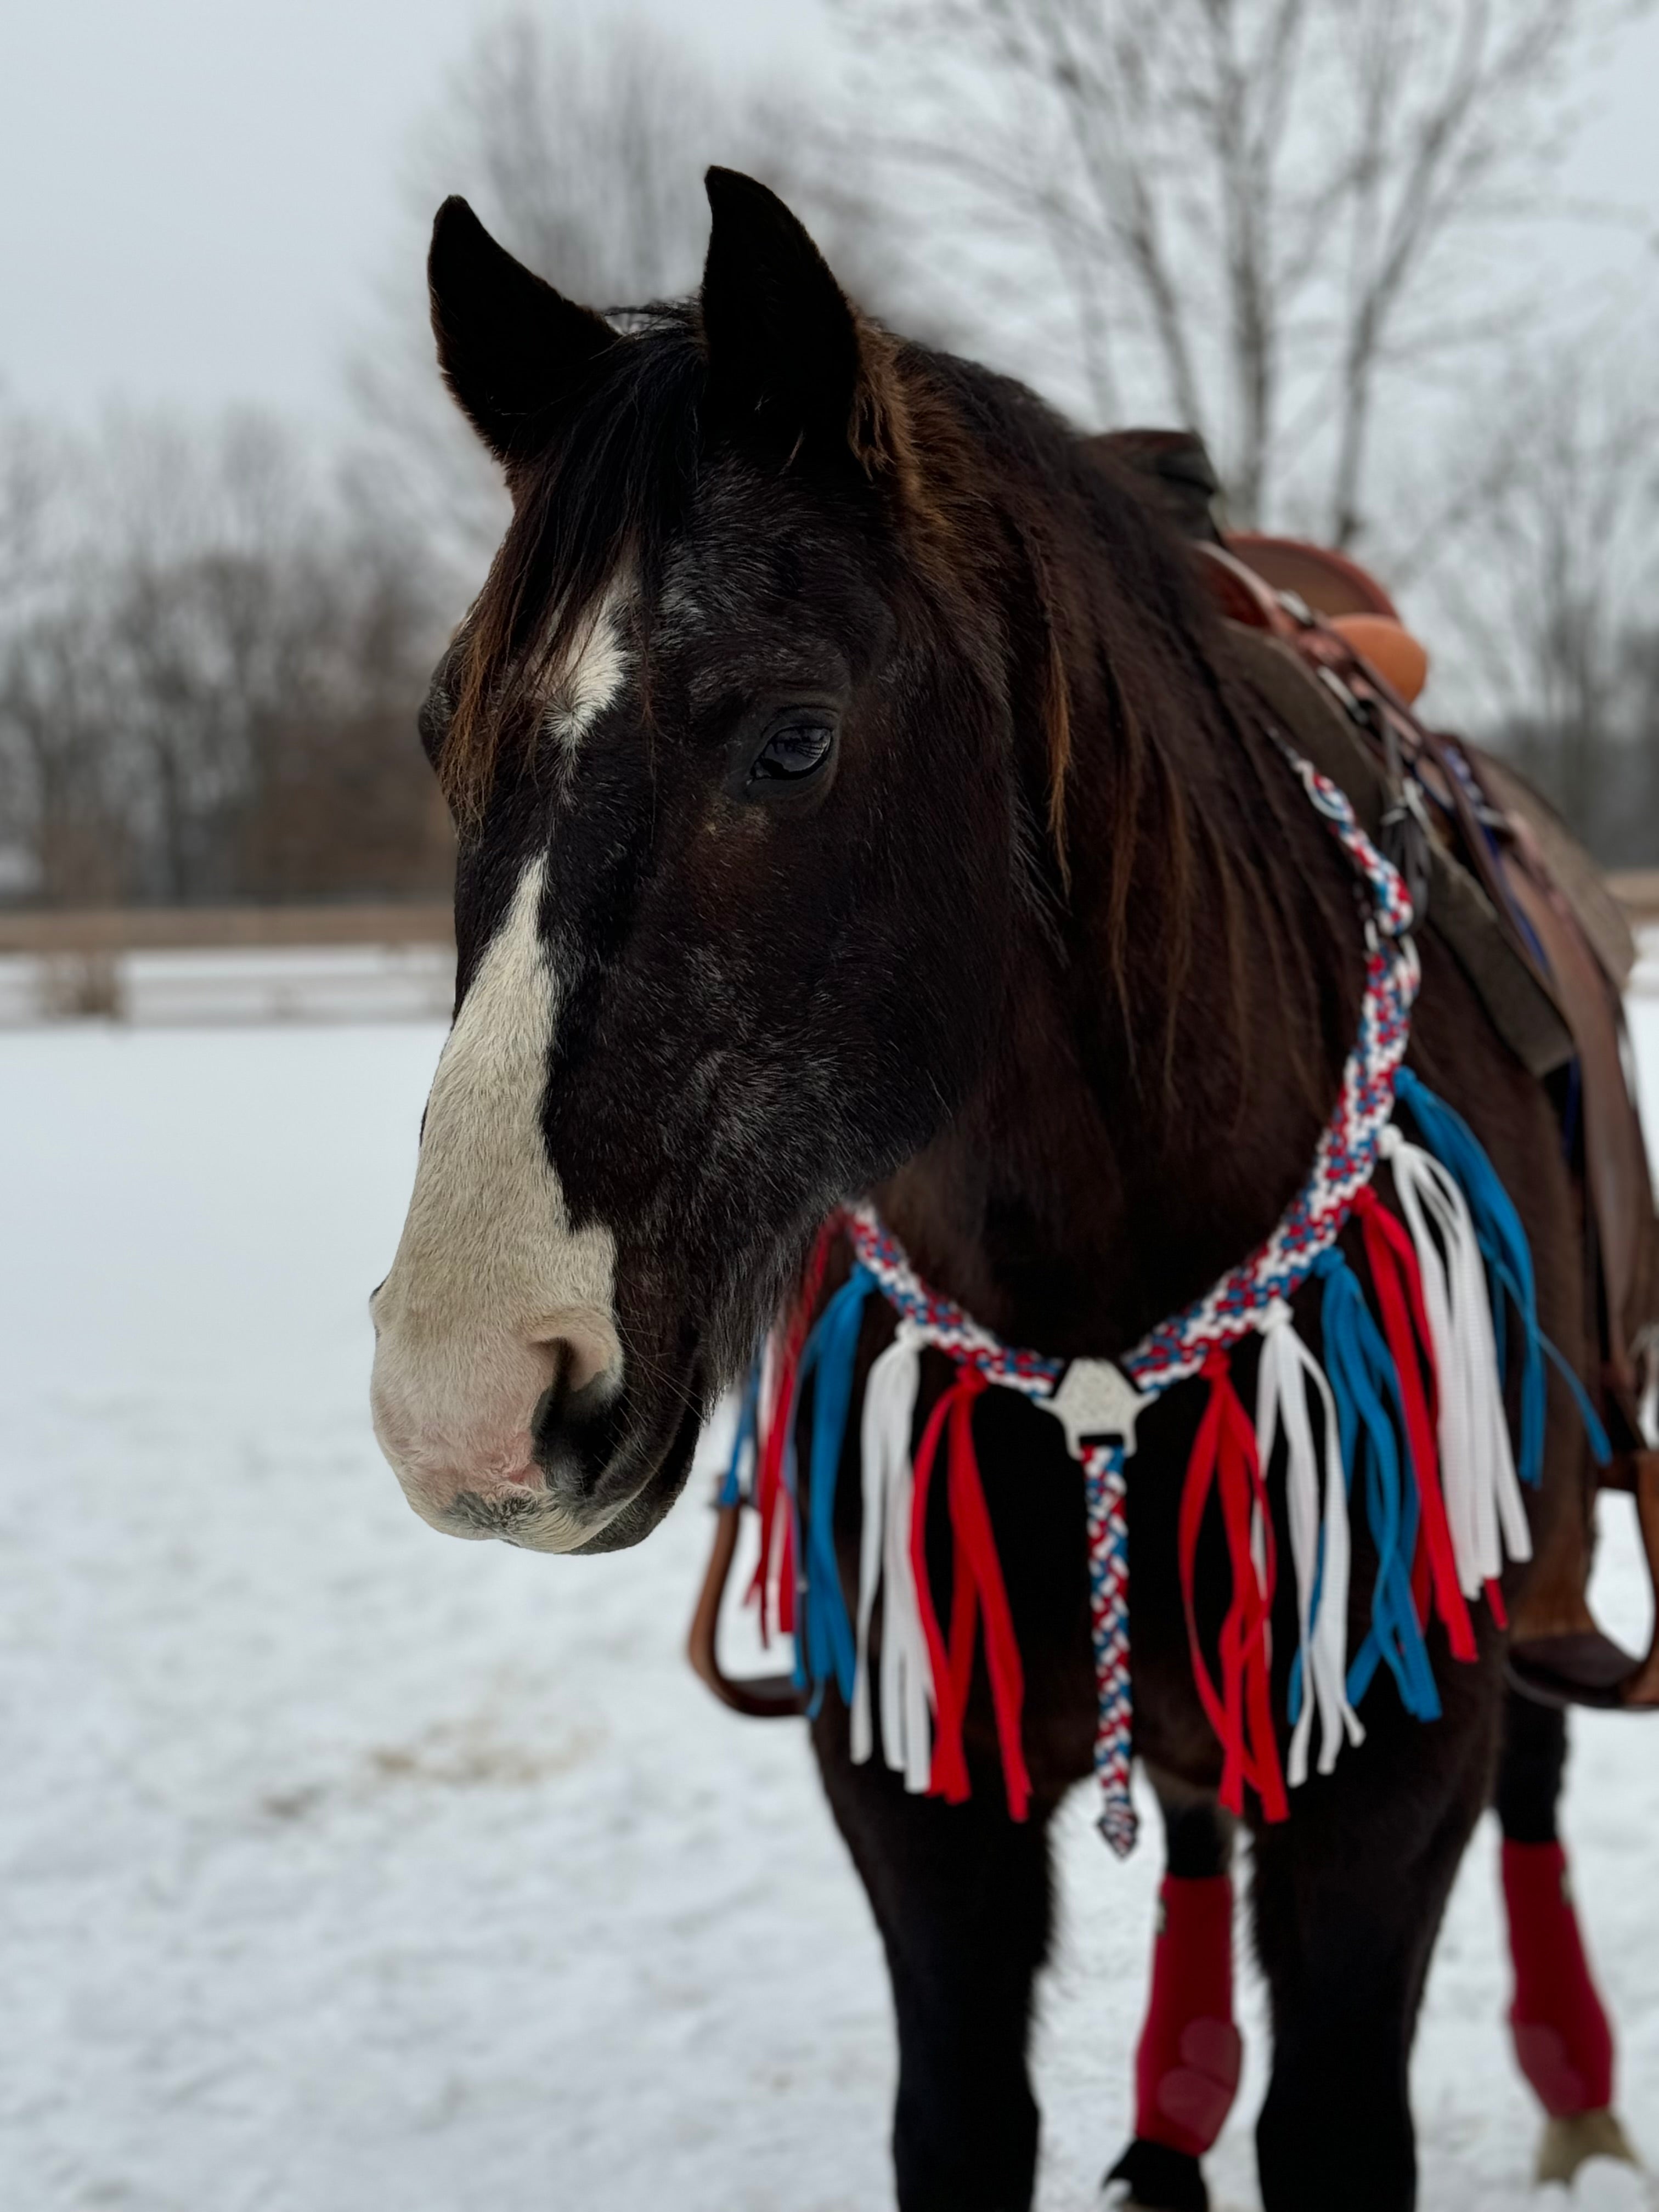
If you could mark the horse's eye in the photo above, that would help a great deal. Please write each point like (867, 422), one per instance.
(795, 748)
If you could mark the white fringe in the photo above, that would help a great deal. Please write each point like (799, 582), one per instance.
(1484, 1506)
(907, 1681)
(1288, 1373)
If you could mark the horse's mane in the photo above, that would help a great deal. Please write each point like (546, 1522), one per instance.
(1188, 809)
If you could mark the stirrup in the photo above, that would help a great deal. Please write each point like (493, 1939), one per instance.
(1582, 1667)
(763, 1697)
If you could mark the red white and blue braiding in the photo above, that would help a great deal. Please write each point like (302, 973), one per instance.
(938, 1320)
(1105, 1488)
(1346, 1155)
(1389, 896)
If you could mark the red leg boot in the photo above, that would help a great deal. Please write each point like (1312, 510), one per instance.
(1563, 2039)
(1187, 2068)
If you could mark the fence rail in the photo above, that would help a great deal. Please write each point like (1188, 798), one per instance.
(265, 928)
(221, 928)
(1637, 889)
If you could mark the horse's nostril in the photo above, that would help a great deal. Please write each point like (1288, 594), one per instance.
(575, 1432)
(550, 1406)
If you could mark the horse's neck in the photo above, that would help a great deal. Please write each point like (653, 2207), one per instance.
(1158, 1094)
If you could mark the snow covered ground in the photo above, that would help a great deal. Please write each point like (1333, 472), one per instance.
(344, 1868)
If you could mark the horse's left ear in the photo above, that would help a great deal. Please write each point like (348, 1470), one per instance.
(783, 343)
(513, 350)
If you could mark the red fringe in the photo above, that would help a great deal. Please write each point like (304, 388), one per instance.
(773, 1588)
(1398, 1282)
(977, 1592)
(1241, 1711)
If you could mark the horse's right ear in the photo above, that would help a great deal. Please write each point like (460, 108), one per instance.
(783, 343)
(512, 350)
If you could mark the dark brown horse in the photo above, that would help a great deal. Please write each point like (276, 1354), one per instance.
(854, 795)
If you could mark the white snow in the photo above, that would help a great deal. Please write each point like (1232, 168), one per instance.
(344, 1867)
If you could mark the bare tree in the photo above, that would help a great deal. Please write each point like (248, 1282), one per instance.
(581, 155)
(25, 480)
(585, 155)
(65, 816)
(209, 690)
(1256, 211)
(1552, 604)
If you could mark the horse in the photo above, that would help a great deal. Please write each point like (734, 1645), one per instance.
(855, 798)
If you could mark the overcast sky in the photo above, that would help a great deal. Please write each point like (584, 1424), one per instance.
(198, 197)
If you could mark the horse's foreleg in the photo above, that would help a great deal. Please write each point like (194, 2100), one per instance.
(1348, 1896)
(961, 1896)
(1187, 2062)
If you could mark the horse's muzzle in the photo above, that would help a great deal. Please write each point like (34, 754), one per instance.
(542, 1441)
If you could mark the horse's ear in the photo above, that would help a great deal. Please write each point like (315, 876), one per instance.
(512, 350)
(783, 343)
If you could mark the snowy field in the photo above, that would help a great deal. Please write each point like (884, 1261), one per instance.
(345, 1868)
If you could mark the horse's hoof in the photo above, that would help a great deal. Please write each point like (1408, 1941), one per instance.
(1567, 2145)
(1159, 2180)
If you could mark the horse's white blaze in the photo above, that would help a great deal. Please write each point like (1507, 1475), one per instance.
(489, 1273)
(593, 675)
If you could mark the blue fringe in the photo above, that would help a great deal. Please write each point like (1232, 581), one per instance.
(747, 1440)
(1504, 1245)
(1370, 1419)
(824, 1646)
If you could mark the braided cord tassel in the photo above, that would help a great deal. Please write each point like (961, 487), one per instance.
(1106, 1490)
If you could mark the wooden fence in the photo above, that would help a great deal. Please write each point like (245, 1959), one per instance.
(169, 965)
(224, 928)
(221, 928)
(1637, 889)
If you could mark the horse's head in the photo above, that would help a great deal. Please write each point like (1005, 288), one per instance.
(728, 737)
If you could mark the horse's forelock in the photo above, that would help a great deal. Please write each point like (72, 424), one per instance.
(603, 496)
(594, 506)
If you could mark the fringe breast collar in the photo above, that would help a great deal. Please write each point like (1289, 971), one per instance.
(1404, 1416)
